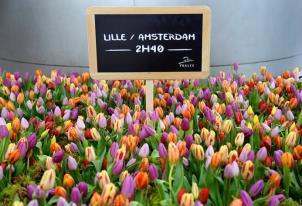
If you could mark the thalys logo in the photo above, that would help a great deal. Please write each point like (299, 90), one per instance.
(186, 63)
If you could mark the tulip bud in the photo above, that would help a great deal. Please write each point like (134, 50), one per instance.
(90, 154)
(185, 124)
(215, 160)
(210, 139)
(22, 146)
(128, 187)
(197, 151)
(75, 195)
(297, 152)
(224, 151)
(83, 187)
(141, 180)
(68, 180)
(57, 157)
(72, 163)
(195, 190)
(108, 193)
(187, 199)
(162, 150)
(287, 160)
(95, 134)
(236, 202)
(173, 153)
(239, 139)
(48, 179)
(247, 170)
(227, 126)
(62, 202)
(60, 192)
(231, 170)
(204, 195)
(118, 167)
(3, 131)
(246, 199)
(144, 150)
(256, 188)
(291, 139)
(153, 173)
(32, 141)
(102, 178)
(262, 154)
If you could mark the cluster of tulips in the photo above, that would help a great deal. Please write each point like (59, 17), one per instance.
(229, 140)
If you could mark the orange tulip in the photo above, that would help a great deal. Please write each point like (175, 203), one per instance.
(20, 98)
(141, 180)
(215, 160)
(68, 180)
(16, 124)
(60, 192)
(144, 164)
(96, 199)
(297, 152)
(173, 153)
(287, 160)
(121, 200)
(182, 148)
(14, 156)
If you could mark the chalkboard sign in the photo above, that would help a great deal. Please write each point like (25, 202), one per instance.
(149, 43)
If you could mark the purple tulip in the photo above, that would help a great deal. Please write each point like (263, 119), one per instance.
(231, 170)
(22, 146)
(198, 203)
(57, 112)
(153, 173)
(262, 153)
(33, 203)
(162, 150)
(154, 116)
(4, 112)
(251, 155)
(256, 188)
(144, 150)
(113, 149)
(275, 200)
(128, 186)
(3, 131)
(275, 131)
(102, 122)
(207, 94)
(229, 111)
(73, 147)
(118, 167)
(83, 187)
(31, 190)
(58, 156)
(32, 140)
(277, 157)
(147, 131)
(131, 162)
(185, 124)
(74, 114)
(62, 202)
(189, 141)
(75, 195)
(246, 199)
(278, 114)
(72, 163)
(66, 115)
(209, 115)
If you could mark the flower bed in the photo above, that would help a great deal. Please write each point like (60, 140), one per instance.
(229, 140)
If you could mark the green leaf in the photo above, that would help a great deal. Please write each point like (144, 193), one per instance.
(3, 146)
(178, 177)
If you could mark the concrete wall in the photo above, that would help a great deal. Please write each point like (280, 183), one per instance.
(52, 34)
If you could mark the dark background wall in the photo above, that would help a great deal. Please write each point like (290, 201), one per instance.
(52, 34)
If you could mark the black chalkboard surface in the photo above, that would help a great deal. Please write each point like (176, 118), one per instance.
(149, 42)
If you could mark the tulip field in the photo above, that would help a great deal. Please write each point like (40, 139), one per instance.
(66, 139)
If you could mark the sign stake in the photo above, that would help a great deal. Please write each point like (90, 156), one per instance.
(149, 95)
